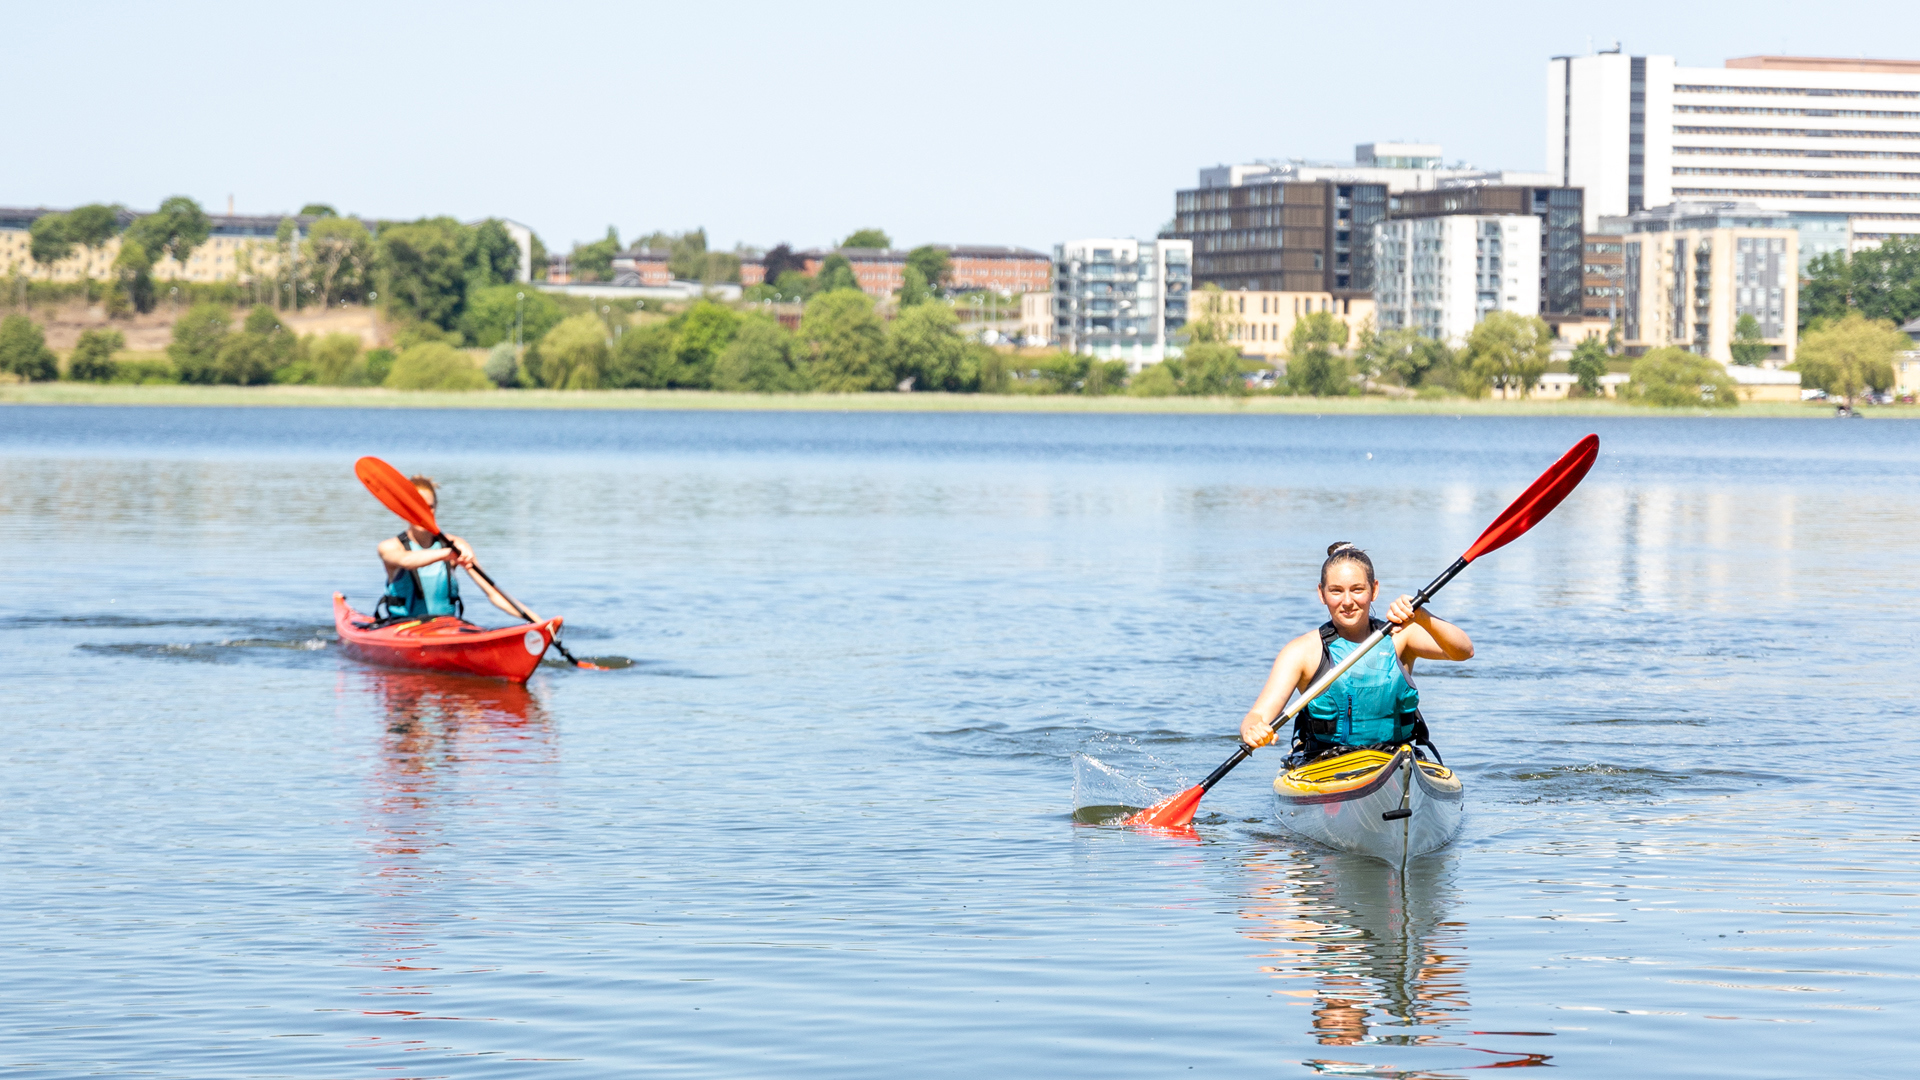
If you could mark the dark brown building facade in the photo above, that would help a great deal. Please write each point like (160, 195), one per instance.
(1314, 236)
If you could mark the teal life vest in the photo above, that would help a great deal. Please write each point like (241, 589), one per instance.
(422, 593)
(1374, 702)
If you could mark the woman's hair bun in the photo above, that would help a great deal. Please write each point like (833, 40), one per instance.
(1338, 546)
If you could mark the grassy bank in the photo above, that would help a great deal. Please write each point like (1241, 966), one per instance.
(66, 393)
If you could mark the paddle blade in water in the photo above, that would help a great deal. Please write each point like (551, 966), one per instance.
(1539, 500)
(395, 492)
(1170, 813)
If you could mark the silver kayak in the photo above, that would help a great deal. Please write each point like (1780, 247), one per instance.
(1391, 806)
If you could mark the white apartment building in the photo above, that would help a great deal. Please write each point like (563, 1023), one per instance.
(1442, 275)
(1401, 166)
(1816, 137)
(1121, 299)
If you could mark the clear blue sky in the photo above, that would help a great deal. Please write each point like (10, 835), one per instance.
(983, 122)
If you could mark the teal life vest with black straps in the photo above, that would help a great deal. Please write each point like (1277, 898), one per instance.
(1374, 702)
(423, 593)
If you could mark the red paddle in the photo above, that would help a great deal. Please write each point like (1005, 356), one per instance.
(1527, 511)
(398, 494)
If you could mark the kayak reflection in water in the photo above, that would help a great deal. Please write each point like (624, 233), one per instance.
(420, 582)
(1375, 703)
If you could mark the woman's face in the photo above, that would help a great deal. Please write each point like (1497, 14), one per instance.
(1347, 593)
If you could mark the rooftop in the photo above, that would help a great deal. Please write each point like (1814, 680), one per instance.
(1827, 63)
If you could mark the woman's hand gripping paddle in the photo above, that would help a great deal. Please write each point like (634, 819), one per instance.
(1527, 511)
(398, 494)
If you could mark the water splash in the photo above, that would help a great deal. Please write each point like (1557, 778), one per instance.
(1108, 779)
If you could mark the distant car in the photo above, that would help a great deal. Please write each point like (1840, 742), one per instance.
(1815, 394)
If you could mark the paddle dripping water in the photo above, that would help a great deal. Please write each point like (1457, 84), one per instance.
(1533, 505)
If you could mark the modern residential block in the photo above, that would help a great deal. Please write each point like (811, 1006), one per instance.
(1280, 236)
(1690, 270)
(1441, 274)
(1559, 211)
(1121, 299)
(1807, 135)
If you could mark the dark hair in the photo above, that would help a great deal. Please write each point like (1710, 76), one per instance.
(425, 483)
(1344, 551)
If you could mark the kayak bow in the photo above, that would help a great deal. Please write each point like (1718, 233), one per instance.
(444, 643)
(1390, 806)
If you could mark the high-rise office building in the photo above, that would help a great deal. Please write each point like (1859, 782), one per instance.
(1808, 135)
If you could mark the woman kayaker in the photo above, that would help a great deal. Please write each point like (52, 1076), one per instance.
(1375, 701)
(420, 583)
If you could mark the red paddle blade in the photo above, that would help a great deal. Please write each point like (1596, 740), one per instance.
(395, 492)
(1539, 500)
(1170, 813)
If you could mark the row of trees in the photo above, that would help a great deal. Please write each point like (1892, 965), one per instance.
(1879, 283)
(429, 271)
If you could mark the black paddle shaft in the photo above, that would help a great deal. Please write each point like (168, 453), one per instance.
(1419, 601)
(517, 609)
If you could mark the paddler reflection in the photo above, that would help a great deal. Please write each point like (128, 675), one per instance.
(1369, 948)
(444, 740)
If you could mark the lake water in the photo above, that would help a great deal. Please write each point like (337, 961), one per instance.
(823, 826)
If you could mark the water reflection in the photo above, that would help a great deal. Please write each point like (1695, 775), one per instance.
(451, 745)
(1376, 955)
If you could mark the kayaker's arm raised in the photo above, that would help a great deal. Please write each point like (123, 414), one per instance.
(1426, 636)
(398, 557)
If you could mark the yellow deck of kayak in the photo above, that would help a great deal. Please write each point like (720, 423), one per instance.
(1344, 772)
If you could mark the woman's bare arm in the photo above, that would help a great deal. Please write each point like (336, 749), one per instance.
(1296, 662)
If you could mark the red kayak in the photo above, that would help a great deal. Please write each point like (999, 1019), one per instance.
(444, 643)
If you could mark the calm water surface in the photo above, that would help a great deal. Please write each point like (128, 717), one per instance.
(823, 826)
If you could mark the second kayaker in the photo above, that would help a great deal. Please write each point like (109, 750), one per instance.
(420, 582)
(1375, 702)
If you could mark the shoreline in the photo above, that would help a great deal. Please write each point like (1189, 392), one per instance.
(67, 393)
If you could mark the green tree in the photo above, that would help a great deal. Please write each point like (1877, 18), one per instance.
(1402, 356)
(1508, 351)
(503, 365)
(1850, 355)
(760, 359)
(133, 273)
(172, 231)
(1672, 377)
(1882, 282)
(836, 274)
(594, 262)
(795, 285)
(331, 360)
(924, 344)
(92, 359)
(47, 240)
(701, 334)
(197, 339)
(643, 358)
(913, 288)
(92, 225)
(319, 210)
(1588, 365)
(1748, 348)
(1313, 364)
(435, 365)
(936, 269)
(1208, 369)
(260, 350)
(492, 257)
(492, 314)
(846, 343)
(337, 256)
(24, 352)
(867, 238)
(574, 355)
(425, 263)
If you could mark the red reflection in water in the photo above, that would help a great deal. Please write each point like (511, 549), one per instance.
(449, 745)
